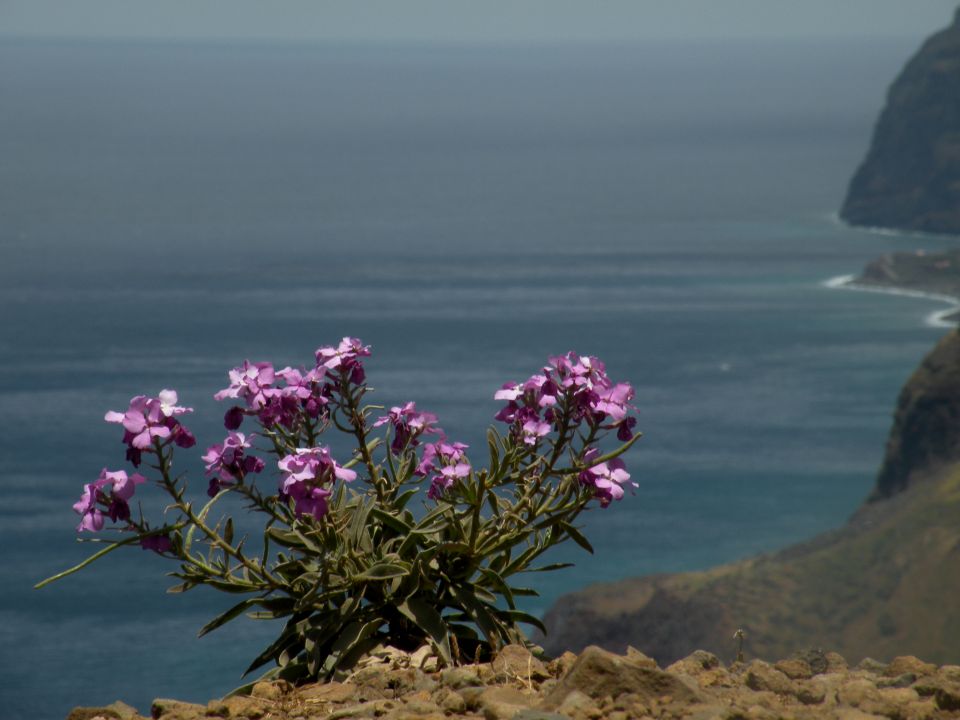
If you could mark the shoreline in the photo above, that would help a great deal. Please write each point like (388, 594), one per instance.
(937, 318)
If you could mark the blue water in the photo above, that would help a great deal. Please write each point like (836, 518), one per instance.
(167, 210)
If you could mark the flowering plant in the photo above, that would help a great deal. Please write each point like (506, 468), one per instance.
(346, 557)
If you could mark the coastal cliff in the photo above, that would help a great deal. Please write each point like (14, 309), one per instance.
(879, 586)
(910, 178)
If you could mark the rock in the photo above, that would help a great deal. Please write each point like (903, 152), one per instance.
(176, 710)
(239, 706)
(449, 701)
(695, 663)
(119, 710)
(502, 703)
(369, 709)
(909, 664)
(331, 692)
(761, 676)
(901, 681)
(599, 673)
(533, 714)
(460, 677)
(559, 666)
(579, 706)
(796, 669)
(815, 658)
(835, 662)
(638, 658)
(268, 691)
(947, 697)
(516, 662)
(857, 691)
(872, 666)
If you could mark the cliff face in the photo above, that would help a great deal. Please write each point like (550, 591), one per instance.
(926, 424)
(910, 178)
(883, 585)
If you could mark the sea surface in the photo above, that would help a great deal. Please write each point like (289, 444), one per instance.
(168, 210)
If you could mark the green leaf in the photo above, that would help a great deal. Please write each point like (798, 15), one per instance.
(518, 616)
(492, 444)
(426, 617)
(96, 556)
(228, 531)
(550, 567)
(225, 617)
(577, 537)
(383, 571)
(391, 521)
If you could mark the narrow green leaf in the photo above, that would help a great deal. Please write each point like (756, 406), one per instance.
(577, 537)
(96, 556)
(225, 617)
(426, 617)
(383, 571)
(391, 521)
(518, 616)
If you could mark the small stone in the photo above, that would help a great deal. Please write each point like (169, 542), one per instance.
(919, 710)
(89, 713)
(267, 691)
(707, 712)
(459, 677)
(331, 692)
(900, 681)
(855, 714)
(370, 709)
(761, 676)
(176, 710)
(909, 664)
(638, 658)
(795, 669)
(516, 662)
(471, 696)
(502, 703)
(695, 663)
(533, 714)
(601, 674)
(835, 662)
(856, 692)
(561, 665)
(578, 705)
(872, 666)
(450, 702)
(810, 693)
(815, 658)
(950, 673)
(947, 697)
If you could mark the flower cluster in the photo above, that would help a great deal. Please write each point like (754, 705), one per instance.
(447, 461)
(309, 475)
(228, 462)
(307, 390)
(607, 478)
(96, 503)
(570, 386)
(151, 419)
(408, 425)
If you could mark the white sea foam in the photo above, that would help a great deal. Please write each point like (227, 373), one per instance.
(937, 318)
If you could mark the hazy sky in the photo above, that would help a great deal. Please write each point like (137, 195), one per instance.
(462, 21)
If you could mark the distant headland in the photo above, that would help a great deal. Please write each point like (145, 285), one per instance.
(910, 178)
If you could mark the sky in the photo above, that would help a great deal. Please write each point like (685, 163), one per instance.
(473, 21)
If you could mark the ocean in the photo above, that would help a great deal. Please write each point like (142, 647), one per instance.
(168, 210)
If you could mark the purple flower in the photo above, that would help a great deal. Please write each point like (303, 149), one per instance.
(251, 383)
(613, 401)
(449, 474)
(344, 359)
(533, 430)
(408, 426)
(94, 503)
(438, 454)
(308, 472)
(606, 478)
(228, 462)
(233, 418)
(149, 419)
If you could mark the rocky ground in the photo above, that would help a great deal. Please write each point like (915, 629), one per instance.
(595, 685)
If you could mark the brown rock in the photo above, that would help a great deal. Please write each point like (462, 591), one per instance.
(872, 666)
(516, 662)
(237, 706)
(449, 701)
(460, 677)
(561, 665)
(695, 663)
(599, 673)
(638, 658)
(810, 692)
(331, 692)
(795, 669)
(370, 709)
(579, 706)
(909, 664)
(761, 676)
(855, 714)
(919, 710)
(502, 703)
(947, 697)
(176, 710)
(835, 662)
(857, 691)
